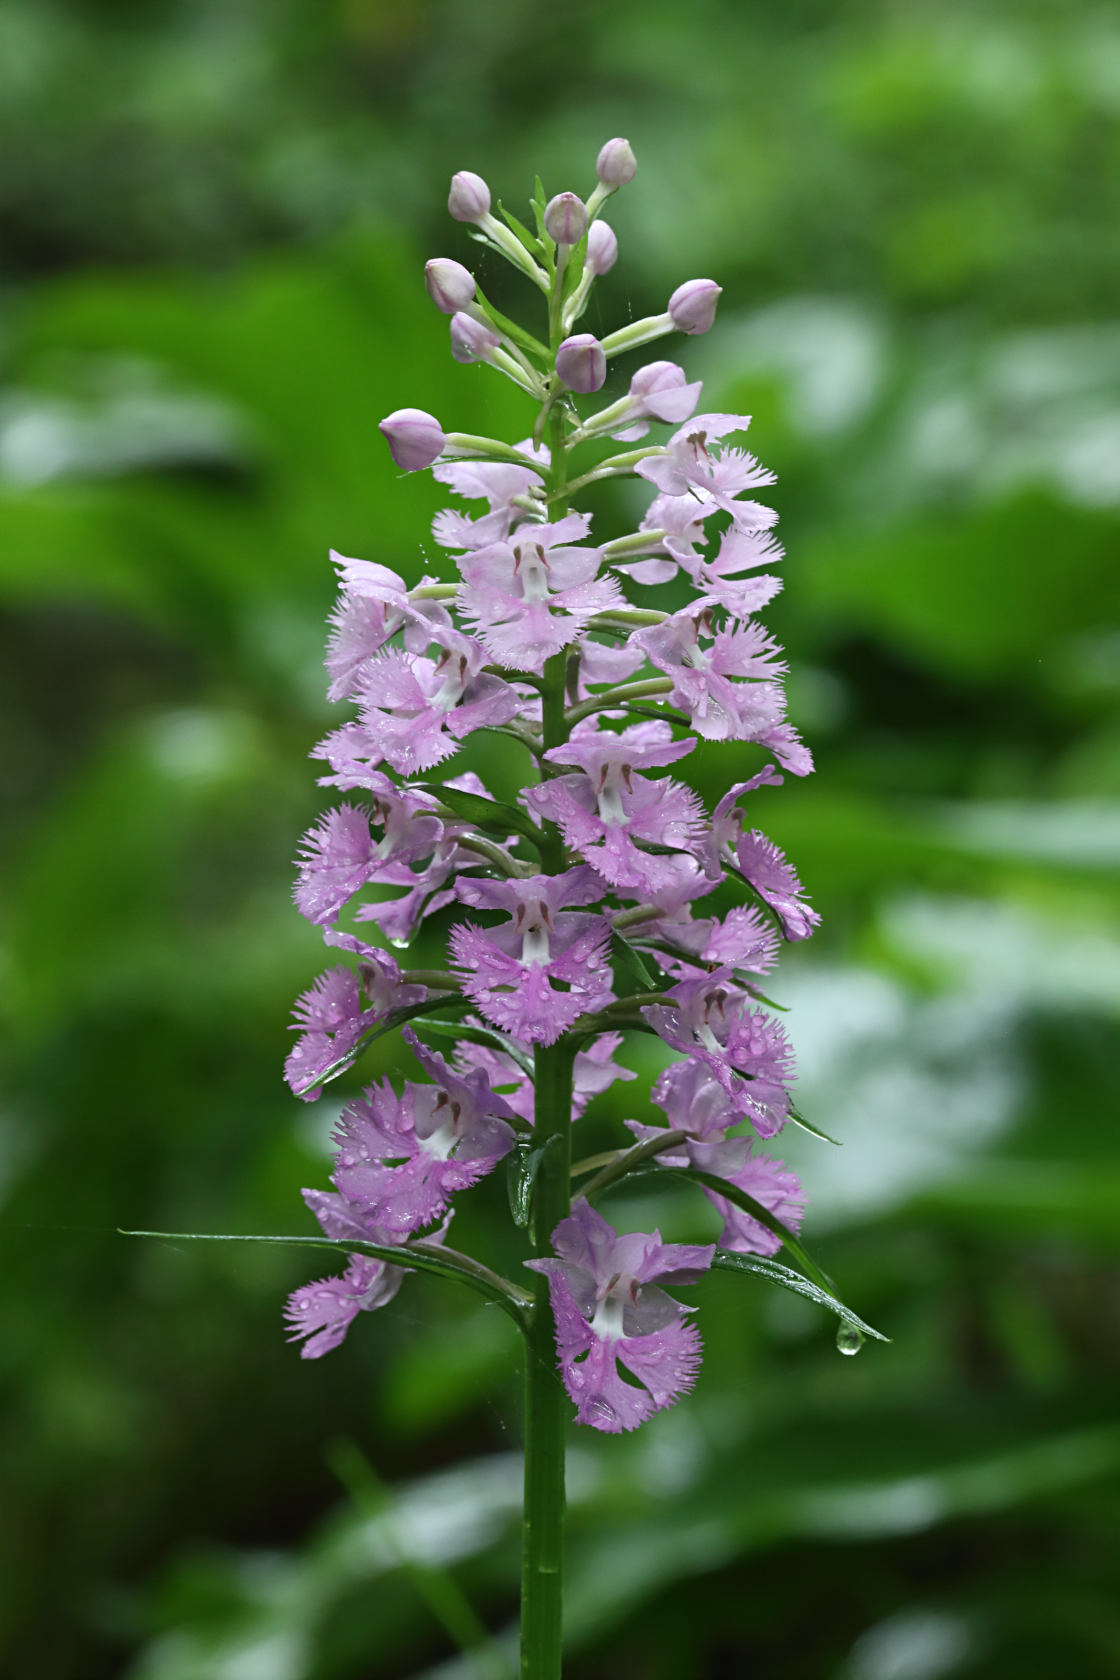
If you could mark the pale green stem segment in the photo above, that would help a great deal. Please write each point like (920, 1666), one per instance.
(649, 689)
(546, 1404)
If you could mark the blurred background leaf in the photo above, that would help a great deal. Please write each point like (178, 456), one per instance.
(213, 219)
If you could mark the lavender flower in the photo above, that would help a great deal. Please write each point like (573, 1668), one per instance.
(610, 1312)
(400, 1159)
(538, 972)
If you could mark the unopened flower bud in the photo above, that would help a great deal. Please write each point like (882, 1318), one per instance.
(602, 248)
(450, 285)
(469, 198)
(693, 305)
(581, 363)
(471, 340)
(415, 439)
(616, 164)
(565, 218)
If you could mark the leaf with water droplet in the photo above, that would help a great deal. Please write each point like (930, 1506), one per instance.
(852, 1328)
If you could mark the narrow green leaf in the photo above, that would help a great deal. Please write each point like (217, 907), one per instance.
(762, 1266)
(481, 1035)
(416, 1256)
(395, 1018)
(814, 1131)
(530, 241)
(573, 269)
(523, 339)
(484, 813)
(732, 1193)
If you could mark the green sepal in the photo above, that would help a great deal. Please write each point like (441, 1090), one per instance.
(395, 1018)
(416, 1256)
(762, 1266)
(524, 340)
(484, 813)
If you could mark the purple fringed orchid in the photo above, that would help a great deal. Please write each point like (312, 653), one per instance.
(605, 809)
(723, 676)
(612, 1311)
(745, 1048)
(688, 467)
(330, 1016)
(575, 910)
(415, 710)
(532, 594)
(402, 1158)
(537, 972)
(323, 1312)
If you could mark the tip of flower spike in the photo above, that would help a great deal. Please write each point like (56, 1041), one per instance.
(616, 164)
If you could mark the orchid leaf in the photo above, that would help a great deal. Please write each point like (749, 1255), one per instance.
(814, 1131)
(524, 340)
(484, 813)
(416, 1256)
(762, 1266)
(732, 1193)
(482, 1035)
(532, 244)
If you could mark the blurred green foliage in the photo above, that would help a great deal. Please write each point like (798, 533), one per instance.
(213, 218)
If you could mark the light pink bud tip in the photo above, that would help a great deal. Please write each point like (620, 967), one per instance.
(450, 285)
(469, 198)
(602, 248)
(616, 164)
(415, 439)
(470, 340)
(581, 363)
(693, 305)
(565, 218)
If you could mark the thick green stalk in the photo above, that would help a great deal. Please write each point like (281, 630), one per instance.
(546, 1405)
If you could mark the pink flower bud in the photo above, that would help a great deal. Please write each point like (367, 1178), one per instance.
(565, 218)
(581, 363)
(693, 305)
(602, 248)
(471, 341)
(616, 164)
(469, 199)
(450, 285)
(415, 439)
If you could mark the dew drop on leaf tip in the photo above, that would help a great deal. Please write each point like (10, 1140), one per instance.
(848, 1339)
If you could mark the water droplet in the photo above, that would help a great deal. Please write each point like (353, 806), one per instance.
(848, 1339)
(400, 944)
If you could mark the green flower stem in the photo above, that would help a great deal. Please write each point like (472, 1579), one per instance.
(546, 1404)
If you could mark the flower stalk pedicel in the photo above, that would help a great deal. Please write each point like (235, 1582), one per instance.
(577, 914)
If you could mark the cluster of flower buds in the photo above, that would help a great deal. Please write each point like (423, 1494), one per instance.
(576, 915)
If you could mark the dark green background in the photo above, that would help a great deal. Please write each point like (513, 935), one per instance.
(212, 219)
